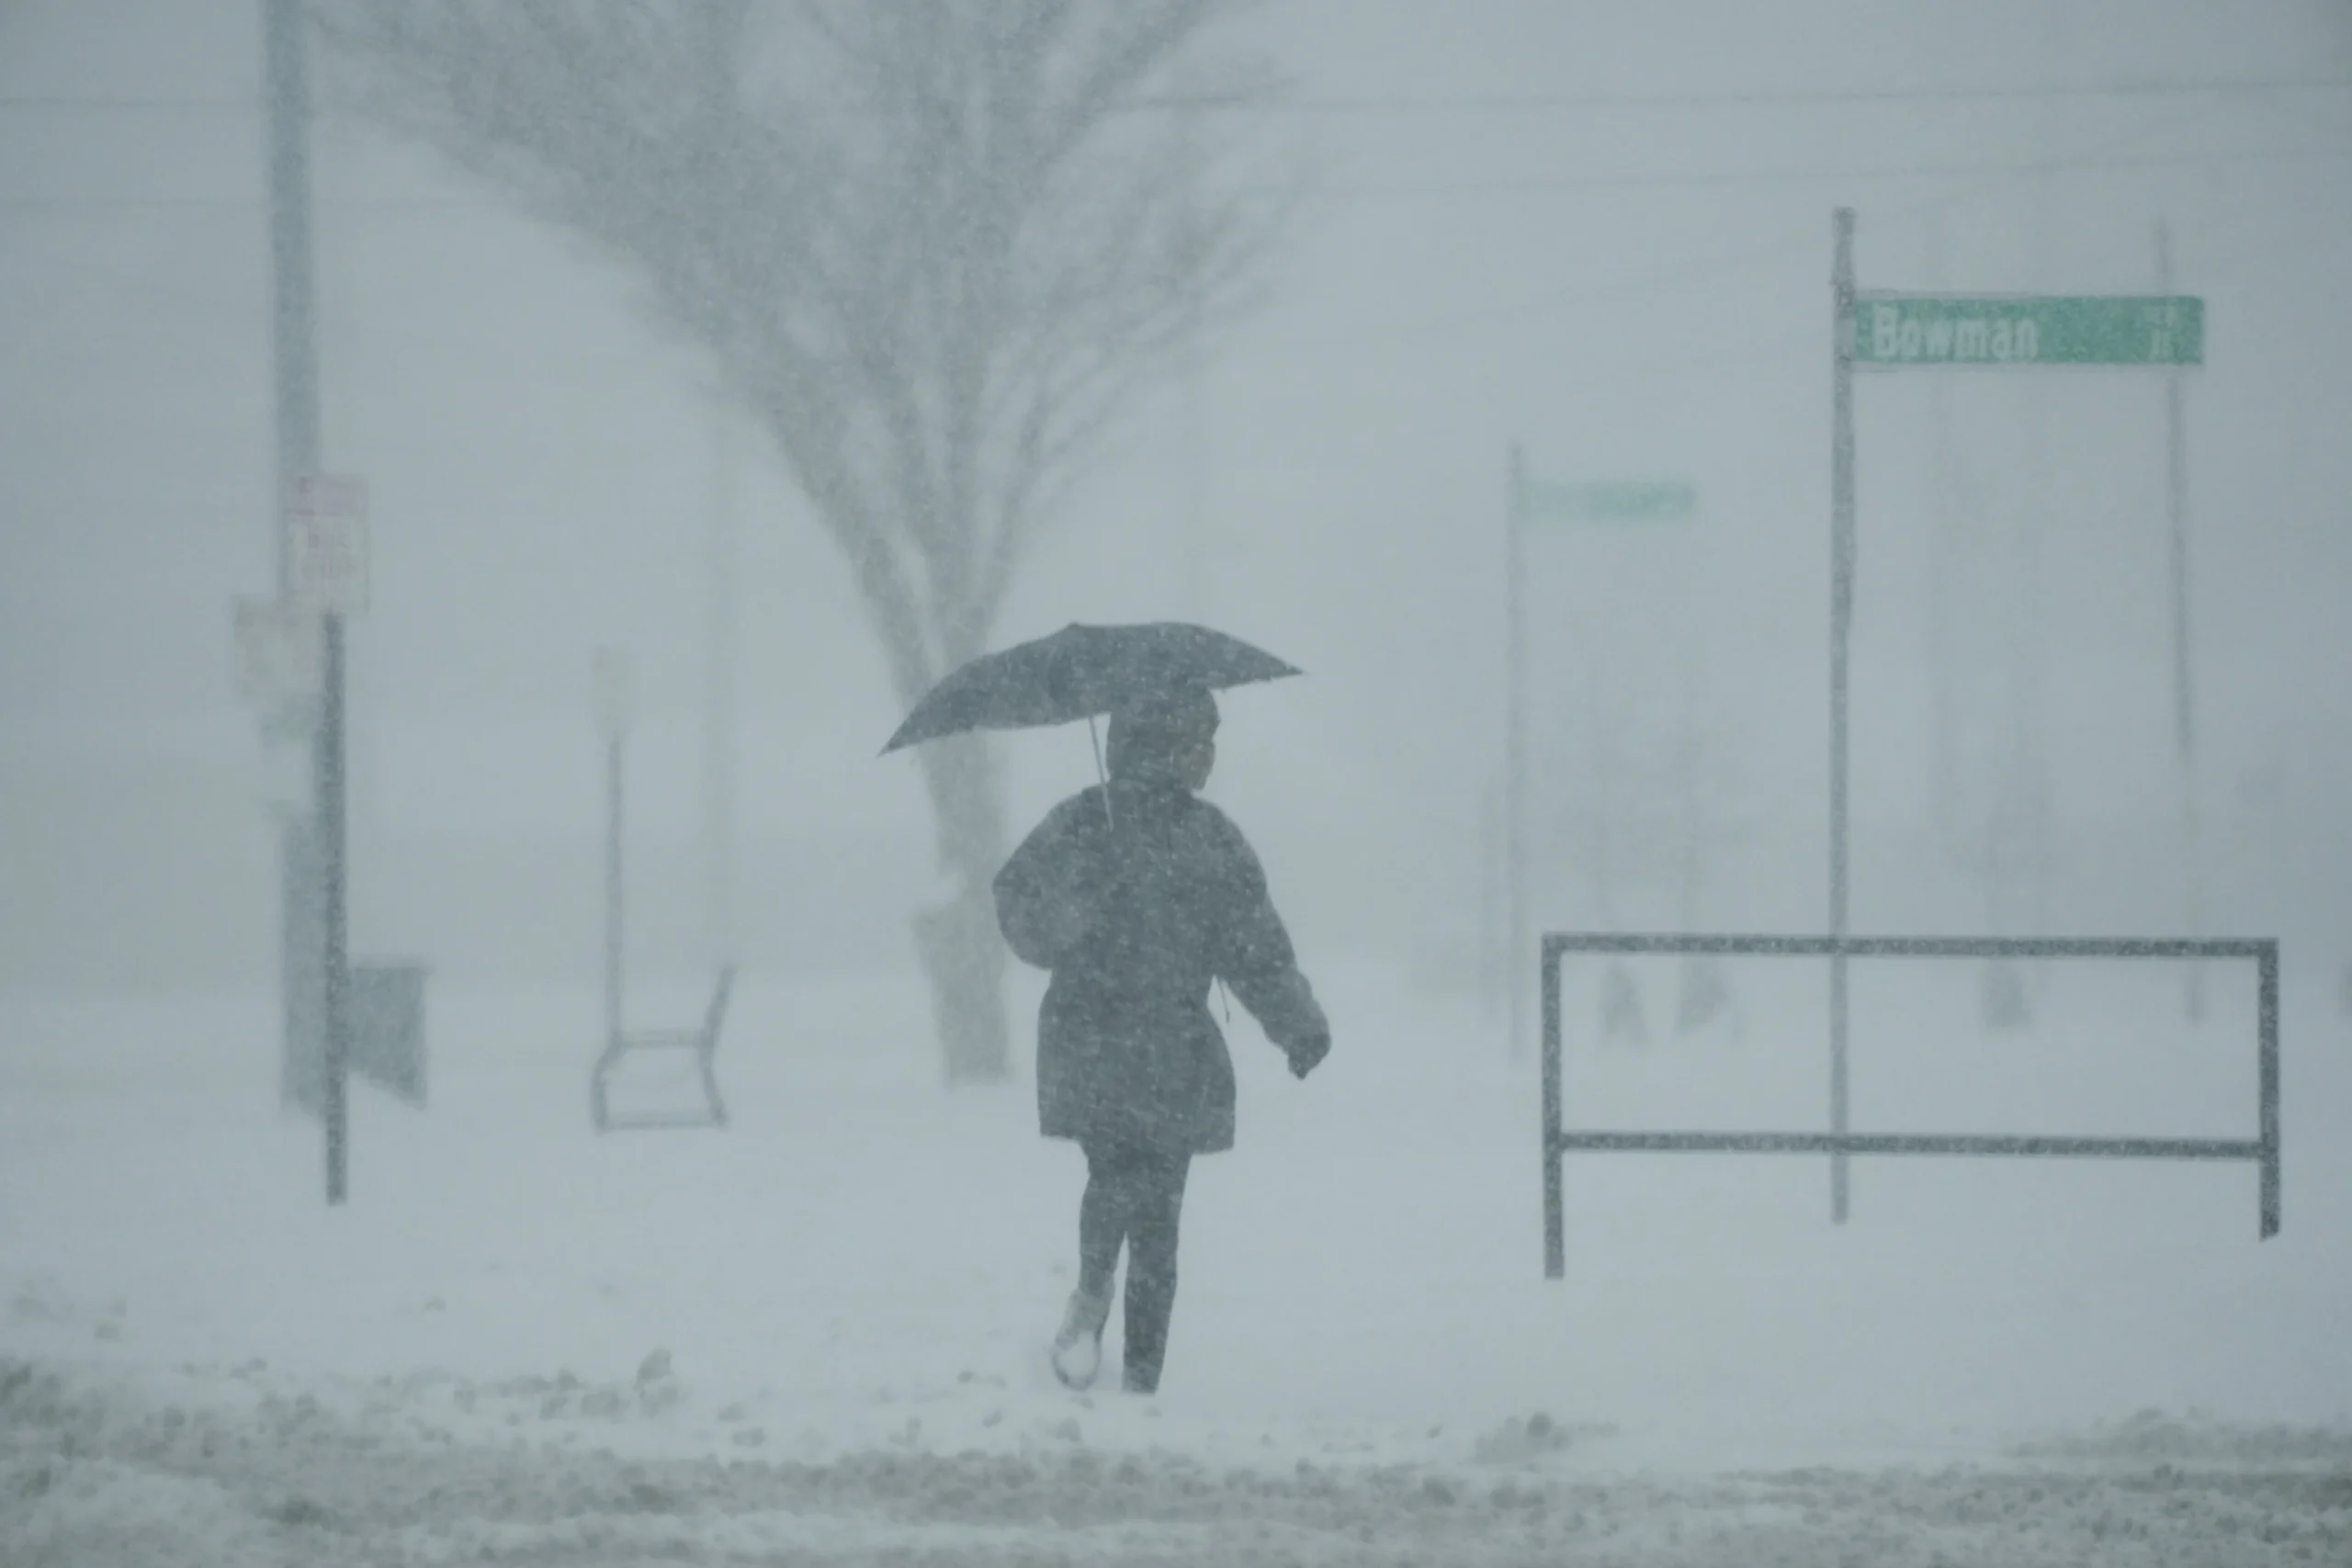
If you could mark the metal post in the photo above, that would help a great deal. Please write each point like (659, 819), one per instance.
(2183, 687)
(293, 316)
(1515, 746)
(1555, 1262)
(613, 744)
(293, 323)
(1841, 619)
(2269, 1032)
(1944, 499)
(331, 801)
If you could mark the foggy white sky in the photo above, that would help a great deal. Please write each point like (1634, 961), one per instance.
(1632, 289)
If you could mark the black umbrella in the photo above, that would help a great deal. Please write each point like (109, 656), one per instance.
(1082, 672)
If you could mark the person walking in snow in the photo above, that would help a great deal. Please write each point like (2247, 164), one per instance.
(1136, 894)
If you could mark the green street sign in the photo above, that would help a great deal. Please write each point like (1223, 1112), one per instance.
(1623, 500)
(1908, 330)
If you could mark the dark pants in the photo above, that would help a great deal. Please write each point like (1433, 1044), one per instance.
(1137, 1196)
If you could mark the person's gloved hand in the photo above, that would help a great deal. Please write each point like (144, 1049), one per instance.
(1308, 1053)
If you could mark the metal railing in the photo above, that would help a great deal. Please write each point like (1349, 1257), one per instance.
(1839, 1141)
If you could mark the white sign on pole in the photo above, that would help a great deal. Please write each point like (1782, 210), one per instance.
(326, 544)
(280, 654)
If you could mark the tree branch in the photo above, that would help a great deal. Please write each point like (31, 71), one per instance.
(936, 244)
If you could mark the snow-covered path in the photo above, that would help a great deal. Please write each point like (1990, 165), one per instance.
(815, 1336)
(239, 1472)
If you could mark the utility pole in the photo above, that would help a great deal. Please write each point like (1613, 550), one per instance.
(293, 321)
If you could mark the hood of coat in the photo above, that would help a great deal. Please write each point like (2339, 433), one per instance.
(1150, 739)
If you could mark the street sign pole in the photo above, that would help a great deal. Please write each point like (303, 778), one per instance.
(1841, 620)
(293, 322)
(2183, 688)
(332, 795)
(325, 540)
(1881, 330)
(293, 306)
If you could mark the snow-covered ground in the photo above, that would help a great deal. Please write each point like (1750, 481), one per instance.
(816, 1335)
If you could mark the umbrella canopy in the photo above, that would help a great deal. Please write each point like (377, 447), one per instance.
(1082, 672)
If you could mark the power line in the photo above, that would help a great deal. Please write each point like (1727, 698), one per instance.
(1450, 324)
(1681, 179)
(1472, 103)
(100, 104)
(1783, 343)
(1510, 103)
(1702, 178)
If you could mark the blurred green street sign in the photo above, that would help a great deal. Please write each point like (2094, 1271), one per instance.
(1907, 330)
(1635, 500)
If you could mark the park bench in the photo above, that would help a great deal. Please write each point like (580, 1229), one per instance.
(696, 1047)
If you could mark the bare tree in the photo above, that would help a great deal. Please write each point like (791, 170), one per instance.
(934, 246)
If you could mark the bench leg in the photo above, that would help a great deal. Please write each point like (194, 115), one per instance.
(710, 1088)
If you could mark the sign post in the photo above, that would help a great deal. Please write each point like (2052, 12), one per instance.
(2183, 689)
(320, 545)
(1881, 330)
(326, 580)
(1842, 622)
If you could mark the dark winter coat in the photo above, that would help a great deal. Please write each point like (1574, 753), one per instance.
(1136, 910)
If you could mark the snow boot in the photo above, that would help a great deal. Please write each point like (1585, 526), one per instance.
(1077, 1346)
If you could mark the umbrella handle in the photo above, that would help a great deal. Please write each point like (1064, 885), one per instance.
(1092, 735)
